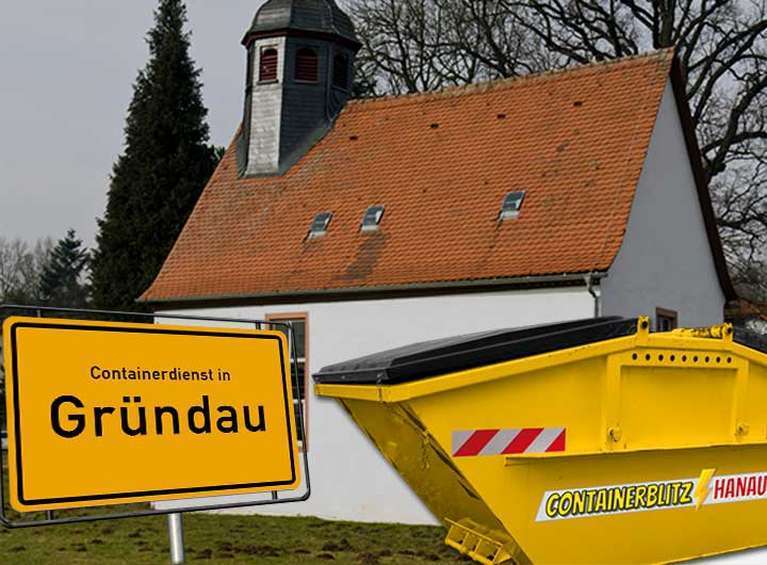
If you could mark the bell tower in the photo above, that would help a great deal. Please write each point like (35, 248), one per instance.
(299, 76)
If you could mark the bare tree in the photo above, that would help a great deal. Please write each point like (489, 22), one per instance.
(414, 45)
(420, 45)
(722, 45)
(401, 41)
(20, 269)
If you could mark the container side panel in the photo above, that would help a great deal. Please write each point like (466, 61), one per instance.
(670, 407)
(754, 400)
(663, 533)
(427, 469)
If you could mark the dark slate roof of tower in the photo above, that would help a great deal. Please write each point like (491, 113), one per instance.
(323, 16)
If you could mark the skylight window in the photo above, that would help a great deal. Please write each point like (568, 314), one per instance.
(320, 224)
(372, 218)
(512, 203)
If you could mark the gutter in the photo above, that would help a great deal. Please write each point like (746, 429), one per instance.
(592, 281)
(358, 293)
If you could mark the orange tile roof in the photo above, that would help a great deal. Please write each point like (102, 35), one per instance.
(441, 164)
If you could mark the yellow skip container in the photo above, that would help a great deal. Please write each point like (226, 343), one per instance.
(592, 441)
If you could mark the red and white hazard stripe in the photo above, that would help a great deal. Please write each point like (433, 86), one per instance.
(471, 443)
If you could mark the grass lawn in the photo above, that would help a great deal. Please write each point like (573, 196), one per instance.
(228, 539)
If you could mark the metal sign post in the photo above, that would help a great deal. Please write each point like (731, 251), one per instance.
(176, 537)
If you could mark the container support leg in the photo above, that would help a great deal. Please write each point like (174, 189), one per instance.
(470, 539)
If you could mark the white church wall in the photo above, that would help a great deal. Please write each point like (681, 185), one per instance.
(665, 260)
(350, 479)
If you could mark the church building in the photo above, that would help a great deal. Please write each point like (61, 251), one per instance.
(376, 223)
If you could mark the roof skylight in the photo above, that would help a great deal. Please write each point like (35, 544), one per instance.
(320, 224)
(372, 218)
(512, 203)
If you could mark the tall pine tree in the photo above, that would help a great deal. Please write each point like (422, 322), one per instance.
(62, 279)
(166, 163)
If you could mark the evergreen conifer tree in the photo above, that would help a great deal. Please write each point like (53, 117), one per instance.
(62, 279)
(165, 165)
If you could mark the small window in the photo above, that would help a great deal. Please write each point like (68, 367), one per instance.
(320, 225)
(511, 206)
(268, 68)
(372, 218)
(299, 371)
(307, 65)
(341, 71)
(666, 320)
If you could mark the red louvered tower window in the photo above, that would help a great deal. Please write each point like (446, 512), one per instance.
(307, 65)
(268, 68)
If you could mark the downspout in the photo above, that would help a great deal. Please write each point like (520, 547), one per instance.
(596, 294)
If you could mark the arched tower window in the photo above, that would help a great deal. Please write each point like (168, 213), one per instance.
(307, 65)
(341, 71)
(267, 70)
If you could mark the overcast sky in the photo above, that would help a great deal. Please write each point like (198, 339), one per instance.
(66, 75)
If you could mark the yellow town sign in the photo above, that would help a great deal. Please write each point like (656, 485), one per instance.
(104, 413)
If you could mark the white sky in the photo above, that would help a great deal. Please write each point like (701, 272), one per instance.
(66, 75)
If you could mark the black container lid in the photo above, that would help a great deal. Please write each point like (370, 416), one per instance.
(443, 356)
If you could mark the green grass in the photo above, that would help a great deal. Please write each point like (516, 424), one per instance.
(227, 539)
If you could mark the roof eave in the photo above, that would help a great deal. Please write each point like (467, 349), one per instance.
(283, 31)
(365, 292)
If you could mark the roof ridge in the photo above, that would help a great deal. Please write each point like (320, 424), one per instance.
(507, 82)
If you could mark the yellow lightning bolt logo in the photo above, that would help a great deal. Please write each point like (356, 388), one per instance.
(701, 490)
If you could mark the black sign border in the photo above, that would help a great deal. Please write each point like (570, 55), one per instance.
(140, 494)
